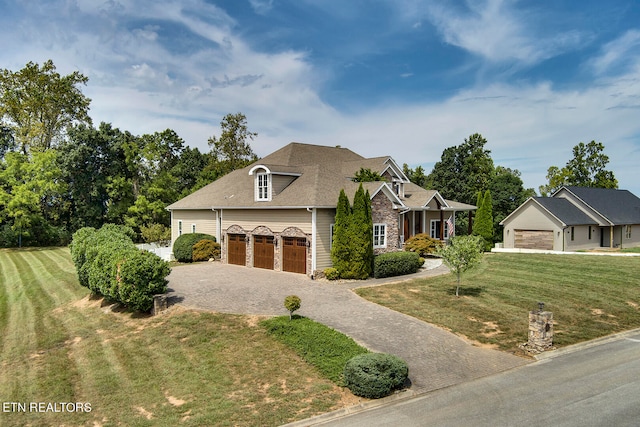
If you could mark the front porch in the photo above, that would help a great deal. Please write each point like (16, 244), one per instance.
(438, 224)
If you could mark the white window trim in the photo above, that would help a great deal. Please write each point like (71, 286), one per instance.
(179, 227)
(432, 229)
(258, 187)
(193, 228)
(383, 236)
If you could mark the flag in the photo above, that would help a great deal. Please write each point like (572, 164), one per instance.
(452, 230)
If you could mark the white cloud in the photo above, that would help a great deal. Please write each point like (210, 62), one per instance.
(261, 7)
(623, 50)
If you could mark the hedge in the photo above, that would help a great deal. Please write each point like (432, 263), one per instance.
(108, 263)
(375, 375)
(183, 246)
(396, 264)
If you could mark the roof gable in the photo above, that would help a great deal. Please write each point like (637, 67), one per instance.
(618, 207)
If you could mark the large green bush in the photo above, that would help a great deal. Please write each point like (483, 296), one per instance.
(205, 249)
(108, 263)
(396, 264)
(375, 375)
(183, 246)
(422, 244)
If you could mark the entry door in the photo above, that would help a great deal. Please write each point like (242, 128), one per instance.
(263, 252)
(237, 249)
(294, 255)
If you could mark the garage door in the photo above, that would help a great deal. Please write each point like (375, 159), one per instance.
(294, 255)
(237, 251)
(534, 239)
(263, 252)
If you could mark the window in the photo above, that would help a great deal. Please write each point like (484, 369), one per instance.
(379, 235)
(572, 233)
(589, 232)
(193, 228)
(627, 231)
(331, 236)
(179, 228)
(435, 229)
(262, 187)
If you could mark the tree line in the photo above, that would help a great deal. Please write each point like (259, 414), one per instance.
(59, 173)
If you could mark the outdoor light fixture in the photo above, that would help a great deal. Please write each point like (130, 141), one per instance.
(540, 307)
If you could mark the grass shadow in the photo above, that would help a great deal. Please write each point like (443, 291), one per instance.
(466, 291)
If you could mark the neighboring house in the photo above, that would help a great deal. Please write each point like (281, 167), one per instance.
(575, 218)
(278, 212)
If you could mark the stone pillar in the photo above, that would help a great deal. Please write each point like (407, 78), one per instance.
(540, 331)
(159, 304)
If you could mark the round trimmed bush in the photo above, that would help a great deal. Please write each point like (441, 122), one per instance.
(375, 375)
(422, 244)
(206, 249)
(331, 273)
(183, 246)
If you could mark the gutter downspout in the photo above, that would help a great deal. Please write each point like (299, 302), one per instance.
(314, 218)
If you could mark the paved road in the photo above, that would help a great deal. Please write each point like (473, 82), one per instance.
(596, 386)
(436, 358)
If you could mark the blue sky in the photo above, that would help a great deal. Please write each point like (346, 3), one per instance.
(405, 78)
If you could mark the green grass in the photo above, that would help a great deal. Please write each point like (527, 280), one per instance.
(590, 297)
(631, 250)
(188, 368)
(319, 345)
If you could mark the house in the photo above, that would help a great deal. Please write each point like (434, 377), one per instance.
(575, 218)
(278, 212)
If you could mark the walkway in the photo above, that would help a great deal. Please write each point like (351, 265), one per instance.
(436, 358)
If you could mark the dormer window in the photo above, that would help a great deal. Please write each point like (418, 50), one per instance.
(263, 192)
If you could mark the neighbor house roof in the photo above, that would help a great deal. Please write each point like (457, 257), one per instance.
(618, 206)
(317, 174)
(565, 211)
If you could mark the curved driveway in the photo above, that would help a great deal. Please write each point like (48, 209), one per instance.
(436, 358)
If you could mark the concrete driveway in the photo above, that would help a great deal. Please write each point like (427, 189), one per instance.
(436, 358)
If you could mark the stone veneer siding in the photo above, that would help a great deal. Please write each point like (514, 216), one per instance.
(382, 212)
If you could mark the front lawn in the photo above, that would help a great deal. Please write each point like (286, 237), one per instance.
(590, 297)
(188, 368)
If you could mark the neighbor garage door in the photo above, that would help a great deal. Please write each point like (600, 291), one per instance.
(263, 252)
(534, 239)
(294, 255)
(237, 249)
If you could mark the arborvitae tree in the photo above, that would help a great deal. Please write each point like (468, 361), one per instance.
(341, 245)
(361, 241)
(483, 225)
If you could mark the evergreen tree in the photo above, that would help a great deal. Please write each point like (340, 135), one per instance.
(341, 247)
(361, 242)
(483, 225)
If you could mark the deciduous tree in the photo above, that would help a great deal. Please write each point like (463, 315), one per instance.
(461, 254)
(38, 104)
(232, 150)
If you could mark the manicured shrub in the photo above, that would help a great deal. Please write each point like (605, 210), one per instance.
(183, 246)
(396, 264)
(108, 263)
(292, 303)
(206, 249)
(375, 375)
(422, 244)
(141, 275)
(331, 273)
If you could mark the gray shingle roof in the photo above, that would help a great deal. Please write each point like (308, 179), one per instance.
(565, 211)
(621, 207)
(320, 173)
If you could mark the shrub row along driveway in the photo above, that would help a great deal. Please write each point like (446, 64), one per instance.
(436, 358)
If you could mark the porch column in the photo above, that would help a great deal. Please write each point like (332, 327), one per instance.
(441, 224)
(611, 237)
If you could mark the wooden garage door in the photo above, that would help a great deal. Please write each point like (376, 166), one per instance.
(263, 252)
(534, 239)
(237, 249)
(294, 255)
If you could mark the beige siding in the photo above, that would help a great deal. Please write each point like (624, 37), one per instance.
(280, 182)
(276, 219)
(204, 219)
(532, 217)
(324, 219)
(634, 239)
